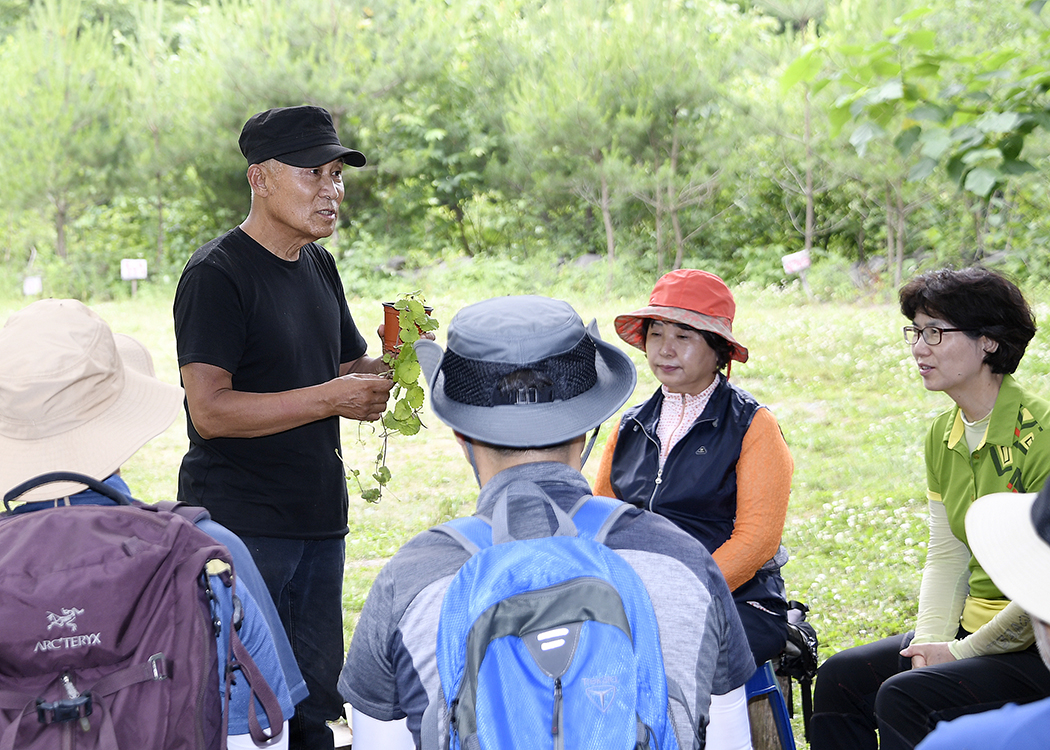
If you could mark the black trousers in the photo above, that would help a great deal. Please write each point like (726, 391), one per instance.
(766, 628)
(762, 607)
(872, 687)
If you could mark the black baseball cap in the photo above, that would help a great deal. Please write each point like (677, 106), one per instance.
(299, 136)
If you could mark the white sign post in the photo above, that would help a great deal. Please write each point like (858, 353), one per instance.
(798, 263)
(133, 269)
(32, 286)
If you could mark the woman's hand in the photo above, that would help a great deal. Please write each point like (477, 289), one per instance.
(928, 654)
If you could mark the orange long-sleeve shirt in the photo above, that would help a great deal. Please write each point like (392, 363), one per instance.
(763, 472)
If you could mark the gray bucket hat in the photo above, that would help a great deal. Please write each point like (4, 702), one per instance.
(583, 382)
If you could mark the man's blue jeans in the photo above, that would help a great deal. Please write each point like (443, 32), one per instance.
(305, 579)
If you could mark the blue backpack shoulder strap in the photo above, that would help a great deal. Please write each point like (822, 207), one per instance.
(594, 516)
(473, 533)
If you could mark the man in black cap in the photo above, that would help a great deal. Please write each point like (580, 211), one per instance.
(270, 359)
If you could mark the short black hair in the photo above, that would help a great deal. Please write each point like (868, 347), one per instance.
(982, 301)
(722, 348)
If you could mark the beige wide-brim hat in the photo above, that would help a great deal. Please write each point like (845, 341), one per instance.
(74, 397)
(1009, 534)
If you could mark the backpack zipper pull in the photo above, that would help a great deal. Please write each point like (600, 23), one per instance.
(557, 707)
(71, 693)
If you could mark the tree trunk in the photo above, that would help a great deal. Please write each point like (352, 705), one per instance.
(659, 220)
(672, 202)
(898, 268)
(461, 224)
(610, 239)
(61, 209)
(980, 223)
(810, 210)
(606, 208)
(891, 229)
(160, 203)
(763, 728)
(160, 232)
(678, 241)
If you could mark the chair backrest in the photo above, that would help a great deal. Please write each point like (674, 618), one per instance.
(764, 683)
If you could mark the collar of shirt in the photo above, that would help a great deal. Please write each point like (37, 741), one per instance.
(562, 482)
(677, 415)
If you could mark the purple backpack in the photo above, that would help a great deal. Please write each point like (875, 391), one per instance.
(107, 634)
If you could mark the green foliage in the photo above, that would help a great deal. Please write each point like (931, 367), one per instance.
(968, 109)
(761, 264)
(650, 133)
(403, 416)
(62, 110)
(413, 321)
(126, 228)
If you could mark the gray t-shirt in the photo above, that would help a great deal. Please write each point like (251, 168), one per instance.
(391, 669)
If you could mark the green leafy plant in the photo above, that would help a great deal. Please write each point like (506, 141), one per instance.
(403, 415)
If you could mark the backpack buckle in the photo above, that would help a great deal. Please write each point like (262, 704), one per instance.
(159, 666)
(67, 709)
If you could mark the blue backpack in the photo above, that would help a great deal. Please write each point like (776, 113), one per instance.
(550, 642)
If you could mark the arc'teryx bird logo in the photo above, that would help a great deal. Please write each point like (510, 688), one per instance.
(68, 619)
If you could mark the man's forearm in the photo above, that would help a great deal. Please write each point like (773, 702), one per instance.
(218, 410)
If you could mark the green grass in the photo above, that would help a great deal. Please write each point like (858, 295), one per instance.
(838, 376)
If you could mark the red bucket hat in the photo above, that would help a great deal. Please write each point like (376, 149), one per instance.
(694, 298)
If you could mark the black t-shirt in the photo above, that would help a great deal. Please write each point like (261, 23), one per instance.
(275, 325)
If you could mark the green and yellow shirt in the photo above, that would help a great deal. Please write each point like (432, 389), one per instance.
(1013, 457)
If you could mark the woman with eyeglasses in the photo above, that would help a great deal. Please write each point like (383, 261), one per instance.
(972, 649)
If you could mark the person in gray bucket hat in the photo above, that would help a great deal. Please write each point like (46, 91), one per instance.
(575, 380)
(521, 383)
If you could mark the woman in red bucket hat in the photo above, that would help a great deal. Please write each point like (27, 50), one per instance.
(703, 452)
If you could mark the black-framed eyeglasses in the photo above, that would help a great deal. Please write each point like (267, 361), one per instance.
(930, 334)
